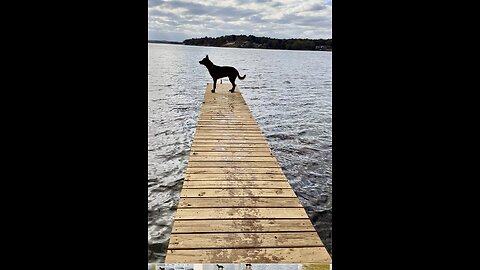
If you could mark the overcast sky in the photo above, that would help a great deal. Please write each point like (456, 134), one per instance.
(180, 20)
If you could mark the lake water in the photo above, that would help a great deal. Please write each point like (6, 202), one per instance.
(288, 92)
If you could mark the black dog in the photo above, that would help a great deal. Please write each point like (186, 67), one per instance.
(218, 72)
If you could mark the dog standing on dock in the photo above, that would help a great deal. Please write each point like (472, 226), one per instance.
(218, 72)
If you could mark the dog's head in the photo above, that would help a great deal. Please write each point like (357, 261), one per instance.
(205, 61)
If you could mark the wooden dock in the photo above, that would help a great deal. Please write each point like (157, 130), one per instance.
(236, 205)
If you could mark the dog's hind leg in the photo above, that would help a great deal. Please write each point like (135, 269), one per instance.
(232, 80)
(214, 85)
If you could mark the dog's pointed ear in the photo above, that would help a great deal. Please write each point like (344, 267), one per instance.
(206, 56)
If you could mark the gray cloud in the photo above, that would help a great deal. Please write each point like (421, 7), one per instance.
(158, 13)
(239, 2)
(295, 19)
(256, 19)
(276, 4)
(153, 3)
(317, 7)
(201, 9)
(179, 19)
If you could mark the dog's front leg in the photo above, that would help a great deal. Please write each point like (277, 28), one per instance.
(214, 85)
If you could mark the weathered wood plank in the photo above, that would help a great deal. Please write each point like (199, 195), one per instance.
(229, 157)
(243, 225)
(235, 177)
(233, 164)
(236, 192)
(236, 184)
(227, 141)
(228, 149)
(239, 213)
(229, 135)
(232, 154)
(227, 115)
(245, 240)
(191, 170)
(229, 127)
(220, 136)
(225, 145)
(227, 122)
(238, 202)
(250, 255)
(231, 131)
(226, 118)
(208, 110)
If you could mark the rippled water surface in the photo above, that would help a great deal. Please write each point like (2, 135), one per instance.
(288, 92)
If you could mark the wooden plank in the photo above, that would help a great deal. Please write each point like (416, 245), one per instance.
(236, 192)
(243, 225)
(226, 118)
(236, 184)
(228, 149)
(233, 164)
(217, 114)
(229, 157)
(219, 101)
(233, 170)
(232, 154)
(238, 202)
(234, 102)
(228, 112)
(239, 213)
(226, 141)
(229, 136)
(251, 255)
(229, 115)
(229, 127)
(234, 177)
(225, 145)
(245, 240)
(224, 132)
(226, 121)
(230, 130)
(219, 111)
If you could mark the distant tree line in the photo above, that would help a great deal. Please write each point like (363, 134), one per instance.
(244, 41)
(164, 41)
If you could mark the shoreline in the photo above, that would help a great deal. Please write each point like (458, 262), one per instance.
(181, 43)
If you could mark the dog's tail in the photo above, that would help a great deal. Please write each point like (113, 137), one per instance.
(241, 78)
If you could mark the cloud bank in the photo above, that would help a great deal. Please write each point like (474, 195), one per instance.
(180, 20)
